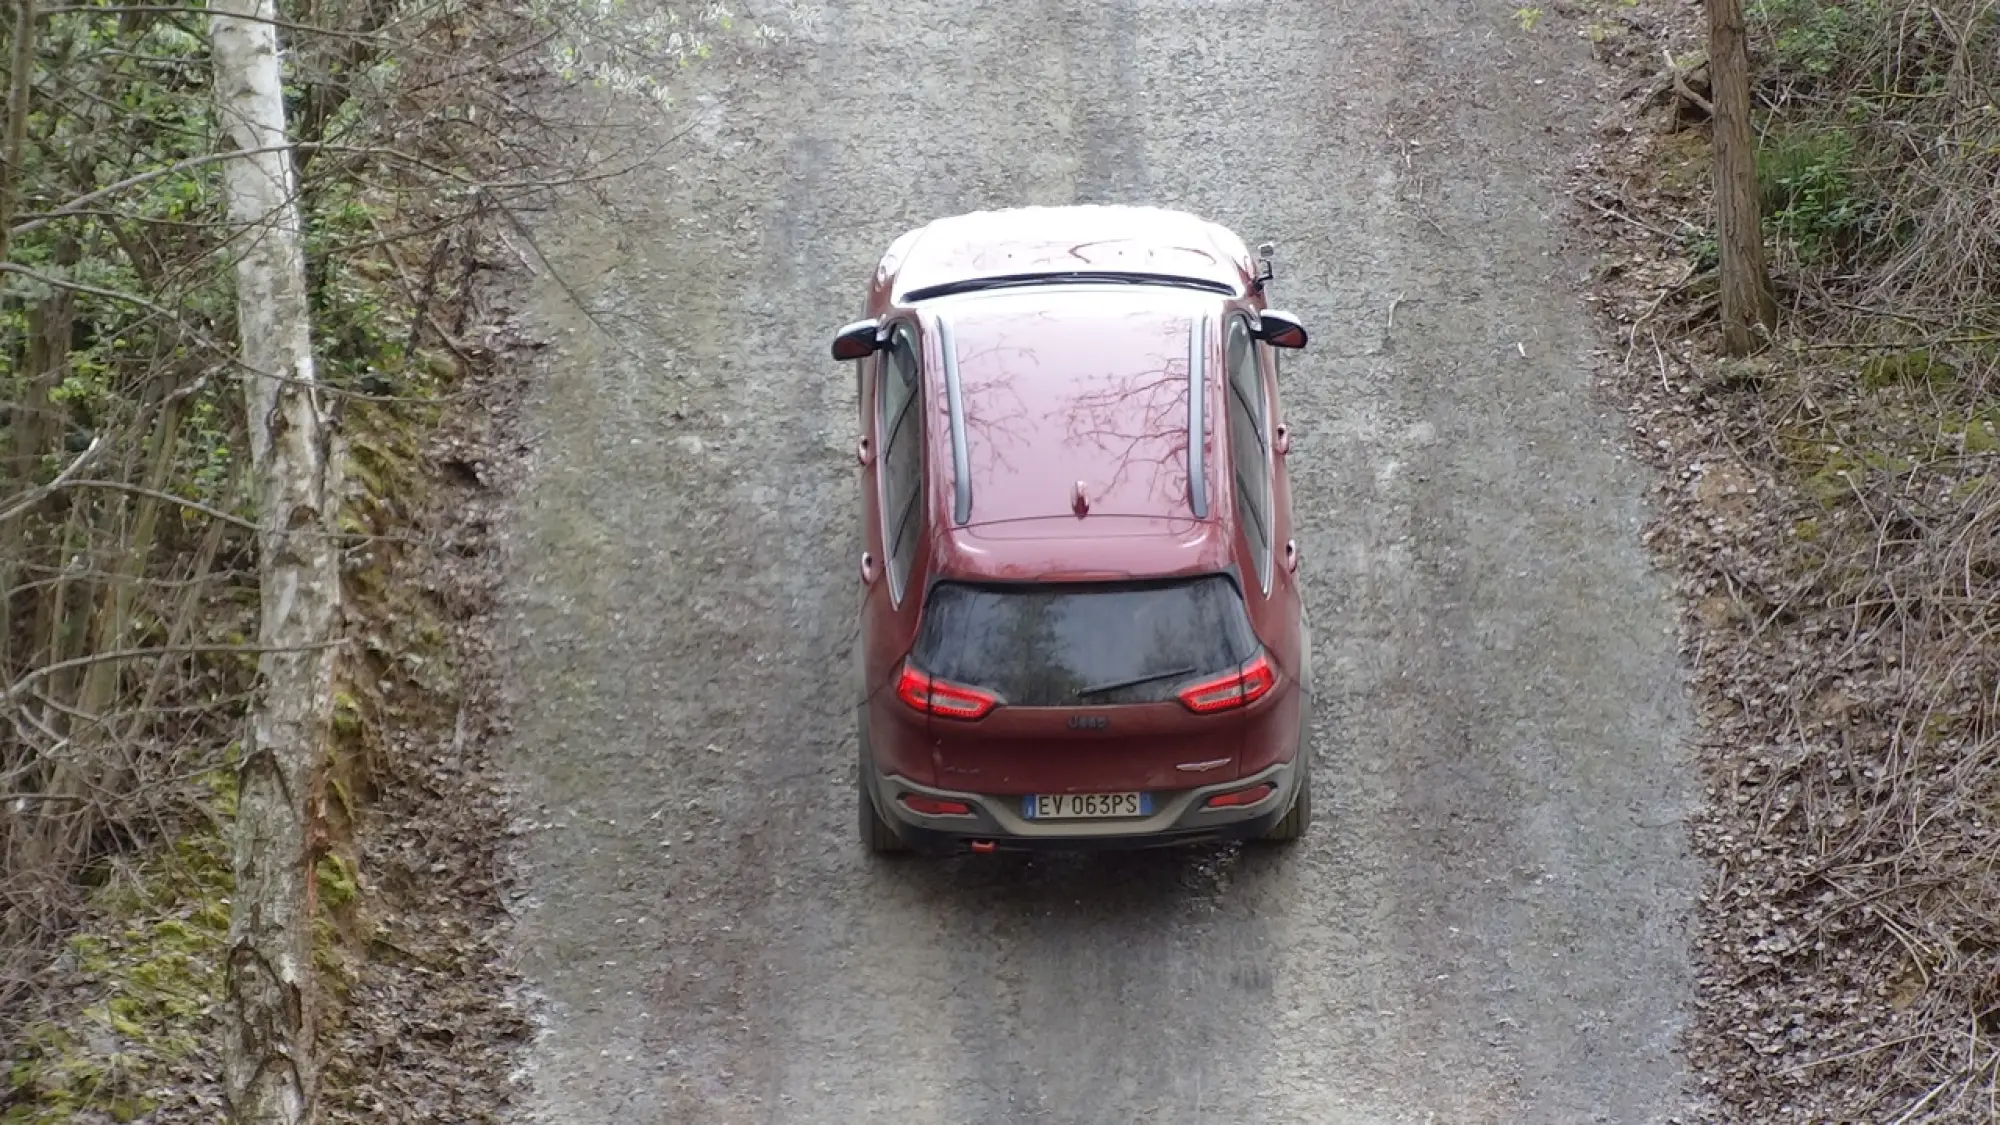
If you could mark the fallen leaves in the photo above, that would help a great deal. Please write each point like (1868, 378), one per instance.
(1837, 543)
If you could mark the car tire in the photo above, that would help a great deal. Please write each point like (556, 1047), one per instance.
(876, 835)
(1298, 818)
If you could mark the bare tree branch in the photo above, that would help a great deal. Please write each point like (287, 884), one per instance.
(167, 497)
(62, 479)
(21, 686)
(84, 202)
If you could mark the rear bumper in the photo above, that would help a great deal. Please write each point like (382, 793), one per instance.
(1180, 817)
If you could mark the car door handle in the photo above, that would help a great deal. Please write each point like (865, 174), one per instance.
(1291, 554)
(864, 453)
(1281, 439)
(868, 569)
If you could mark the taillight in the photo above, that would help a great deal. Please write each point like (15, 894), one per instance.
(1240, 688)
(942, 698)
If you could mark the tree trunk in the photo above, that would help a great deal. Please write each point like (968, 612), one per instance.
(1747, 302)
(20, 85)
(269, 1069)
(20, 474)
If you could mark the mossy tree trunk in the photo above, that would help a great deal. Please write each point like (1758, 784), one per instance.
(1747, 303)
(268, 1062)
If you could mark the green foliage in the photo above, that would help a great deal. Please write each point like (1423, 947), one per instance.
(118, 106)
(1815, 37)
(208, 456)
(1702, 248)
(1812, 194)
(121, 99)
(359, 326)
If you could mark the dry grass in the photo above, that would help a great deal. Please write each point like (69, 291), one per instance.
(1832, 508)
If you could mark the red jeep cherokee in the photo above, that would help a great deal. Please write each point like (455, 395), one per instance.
(1081, 623)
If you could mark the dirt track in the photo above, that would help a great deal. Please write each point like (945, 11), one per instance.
(1485, 926)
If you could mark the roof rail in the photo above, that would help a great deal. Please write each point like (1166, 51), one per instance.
(1197, 459)
(961, 485)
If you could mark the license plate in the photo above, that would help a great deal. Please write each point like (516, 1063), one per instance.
(1086, 806)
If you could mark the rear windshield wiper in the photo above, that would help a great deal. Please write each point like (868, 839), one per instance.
(1099, 689)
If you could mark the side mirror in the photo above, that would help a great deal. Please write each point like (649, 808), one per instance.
(857, 341)
(1281, 330)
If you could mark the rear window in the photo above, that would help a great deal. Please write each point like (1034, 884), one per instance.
(1069, 646)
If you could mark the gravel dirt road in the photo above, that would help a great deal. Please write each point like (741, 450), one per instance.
(1486, 923)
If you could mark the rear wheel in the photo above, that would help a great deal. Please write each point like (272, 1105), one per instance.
(1299, 817)
(876, 835)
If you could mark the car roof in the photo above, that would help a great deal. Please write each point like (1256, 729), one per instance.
(1081, 387)
(1081, 238)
